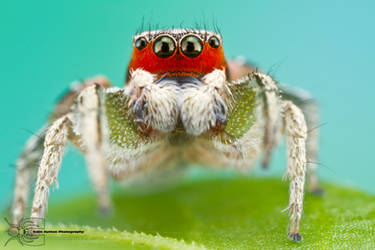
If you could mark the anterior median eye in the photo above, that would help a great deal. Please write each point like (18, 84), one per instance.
(164, 46)
(141, 43)
(191, 46)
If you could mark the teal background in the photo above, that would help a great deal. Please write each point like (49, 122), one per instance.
(325, 47)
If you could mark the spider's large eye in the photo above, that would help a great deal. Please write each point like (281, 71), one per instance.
(214, 42)
(164, 46)
(191, 46)
(141, 43)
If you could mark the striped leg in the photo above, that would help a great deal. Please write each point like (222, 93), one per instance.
(54, 145)
(272, 115)
(295, 130)
(311, 112)
(26, 169)
(88, 110)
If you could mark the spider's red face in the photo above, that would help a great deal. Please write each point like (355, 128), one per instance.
(178, 53)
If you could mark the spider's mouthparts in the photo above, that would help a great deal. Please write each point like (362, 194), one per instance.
(180, 81)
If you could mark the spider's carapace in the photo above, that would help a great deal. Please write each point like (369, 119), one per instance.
(172, 53)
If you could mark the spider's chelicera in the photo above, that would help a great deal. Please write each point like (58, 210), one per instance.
(182, 102)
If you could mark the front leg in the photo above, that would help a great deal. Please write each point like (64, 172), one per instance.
(296, 132)
(310, 110)
(54, 146)
(88, 113)
(82, 126)
(271, 111)
(27, 167)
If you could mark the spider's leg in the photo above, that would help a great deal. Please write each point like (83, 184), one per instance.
(88, 117)
(271, 104)
(238, 68)
(54, 145)
(271, 111)
(27, 164)
(88, 114)
(295, 130)
(67, 99)
(26, 168)
(310, 110)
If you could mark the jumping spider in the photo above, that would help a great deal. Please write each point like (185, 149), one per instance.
(182, 102)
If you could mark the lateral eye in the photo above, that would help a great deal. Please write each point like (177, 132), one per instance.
(141, 43)
(214, 42)
(191, 46)
(164, 46)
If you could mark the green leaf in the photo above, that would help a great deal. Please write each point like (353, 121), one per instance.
(222, 213)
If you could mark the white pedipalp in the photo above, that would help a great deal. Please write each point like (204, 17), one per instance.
(204, 100)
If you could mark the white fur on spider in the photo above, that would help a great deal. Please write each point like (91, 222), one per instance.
(54, 146)
(216, 79)
(162, 106)
(161, 109)
(31, 153)
(199, 104)
(139, 79)
(122, 162)
(197, 109)
(196, 105)
(296, 133)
